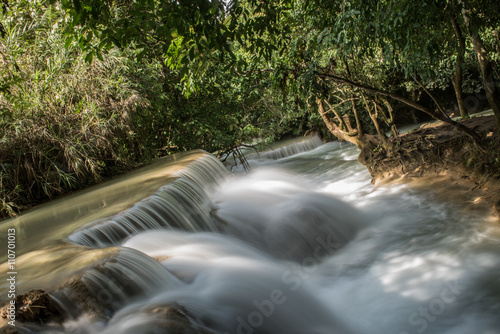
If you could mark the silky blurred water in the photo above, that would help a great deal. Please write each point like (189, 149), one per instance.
(306, 244)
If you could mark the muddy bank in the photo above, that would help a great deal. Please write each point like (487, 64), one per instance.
(437, 155)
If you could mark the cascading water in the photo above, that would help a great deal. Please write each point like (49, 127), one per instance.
(284, 149)
(303, 244)
(181, 204)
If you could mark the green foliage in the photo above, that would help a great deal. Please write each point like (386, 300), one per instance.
(89, 86)
(64, 122)
(73, 115)
(187, 35)
(392, 46)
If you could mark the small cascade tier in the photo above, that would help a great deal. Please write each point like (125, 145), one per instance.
(289, 149)
(183, 204)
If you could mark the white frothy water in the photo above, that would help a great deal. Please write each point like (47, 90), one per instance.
(305, 244)
(280, 214)
(182, 204)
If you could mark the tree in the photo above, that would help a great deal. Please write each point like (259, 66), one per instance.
(374, 40)
(405, 39)
(457, 78)
(186, 34)
(478, 15)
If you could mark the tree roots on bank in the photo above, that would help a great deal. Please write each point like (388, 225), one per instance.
(436, 149)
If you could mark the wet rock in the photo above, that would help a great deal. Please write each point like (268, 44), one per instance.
(35, 306)
(9, 330)
(159, 319)
(175, 319)
(77, 299)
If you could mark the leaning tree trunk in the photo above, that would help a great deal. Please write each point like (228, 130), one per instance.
(374, 117)
(353, 101)
(457, 78)
(388, 118)
(334, 129)
(343, 125)
(486, 69)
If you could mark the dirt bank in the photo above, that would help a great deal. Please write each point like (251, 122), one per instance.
(437, 155)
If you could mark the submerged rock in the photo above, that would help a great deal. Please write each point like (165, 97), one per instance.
(37, 311)
(77, 299)
(175, 319)
(155, 319)
(36, 306)
(10, 330)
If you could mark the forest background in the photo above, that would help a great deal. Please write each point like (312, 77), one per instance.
(90, 89)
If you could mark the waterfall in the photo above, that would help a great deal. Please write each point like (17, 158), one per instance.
(116, 282)
(48, 224)
(279, 214)
(207, 172)
(283, 151)
(300, 244)
(181, 204)
(275, 151)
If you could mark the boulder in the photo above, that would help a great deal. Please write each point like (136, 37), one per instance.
(35, 306)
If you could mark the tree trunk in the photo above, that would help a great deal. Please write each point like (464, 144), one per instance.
(356, 117)
(334, 129)
(389, 119)
(374, 117)
(486, 70)
(353, 101)
(458, 76)
(343, 125)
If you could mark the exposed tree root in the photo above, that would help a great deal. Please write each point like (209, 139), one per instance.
(438, 149)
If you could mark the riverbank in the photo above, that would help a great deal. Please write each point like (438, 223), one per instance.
(436, 155)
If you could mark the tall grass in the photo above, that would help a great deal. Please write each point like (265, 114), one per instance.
(64, 123)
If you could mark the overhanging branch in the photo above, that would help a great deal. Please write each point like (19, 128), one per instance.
(469, 132)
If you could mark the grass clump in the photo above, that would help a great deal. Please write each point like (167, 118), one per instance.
(64, 123)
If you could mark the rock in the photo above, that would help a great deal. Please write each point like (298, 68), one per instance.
(9, 330)
(36, 306)
(158, 319)
(496, 208)
(77, 299)
(175, 319)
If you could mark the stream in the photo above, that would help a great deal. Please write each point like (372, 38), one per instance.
(303, 244)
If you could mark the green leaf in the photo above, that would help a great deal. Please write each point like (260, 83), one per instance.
(89, 36)
(99, 55)
(192, 53)
(89, 57)
(79, 108)
(68, 42)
